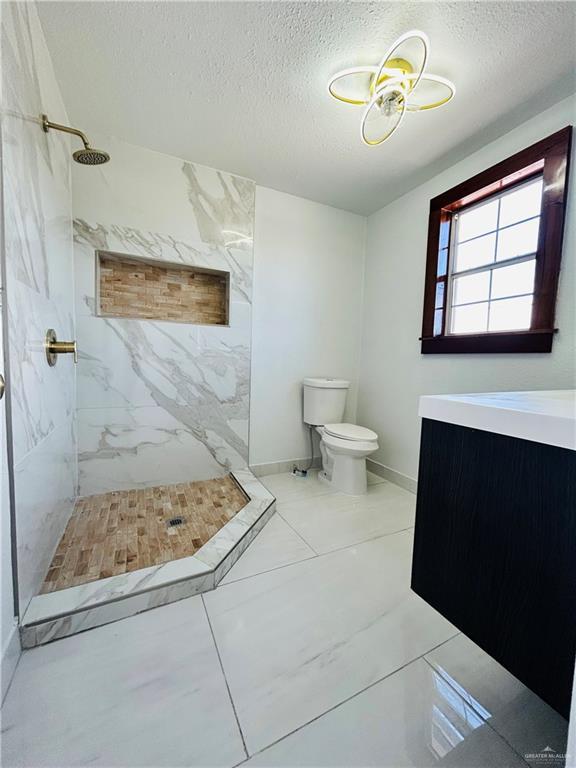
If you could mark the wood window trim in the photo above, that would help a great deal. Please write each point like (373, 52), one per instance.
(550, 158)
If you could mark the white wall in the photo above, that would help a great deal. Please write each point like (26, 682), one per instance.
(393, 373)
(308, 278)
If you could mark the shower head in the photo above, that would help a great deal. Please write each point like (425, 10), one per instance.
(90, 156)
(86, 156)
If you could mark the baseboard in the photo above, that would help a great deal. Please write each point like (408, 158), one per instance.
(10, 655)
(404, 481)
(277, 467)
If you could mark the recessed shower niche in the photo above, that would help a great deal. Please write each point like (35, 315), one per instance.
(136, 287)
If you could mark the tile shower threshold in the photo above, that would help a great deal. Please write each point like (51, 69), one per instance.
(54, 615)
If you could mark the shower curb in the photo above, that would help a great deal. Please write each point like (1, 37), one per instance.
(66, 612)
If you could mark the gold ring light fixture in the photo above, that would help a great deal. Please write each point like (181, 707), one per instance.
(399, 84)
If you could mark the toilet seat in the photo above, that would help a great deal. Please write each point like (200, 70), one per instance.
(351, 432)
(351, 447)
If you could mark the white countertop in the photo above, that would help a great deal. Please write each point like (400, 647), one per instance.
(544, 417)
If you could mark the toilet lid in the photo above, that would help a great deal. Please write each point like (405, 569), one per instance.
(350, 432)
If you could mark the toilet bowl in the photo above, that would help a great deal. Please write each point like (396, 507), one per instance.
(344, 448)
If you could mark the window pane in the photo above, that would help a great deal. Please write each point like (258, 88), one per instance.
(518, 240)
(439, 303)
(442, 263)
(475, 253)
(472, 318)
(471, 288)
(477, 221)
(438, 322)
(511, 281)
(522, 204)
(444, 234)
(510, 314)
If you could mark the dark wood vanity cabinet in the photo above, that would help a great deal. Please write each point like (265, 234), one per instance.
(495, 549)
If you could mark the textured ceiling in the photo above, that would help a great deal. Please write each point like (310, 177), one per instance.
(241, 86)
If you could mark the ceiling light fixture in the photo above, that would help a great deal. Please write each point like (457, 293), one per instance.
(388, 91)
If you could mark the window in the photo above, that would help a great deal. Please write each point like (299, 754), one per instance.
(492, 262)
(494, 249)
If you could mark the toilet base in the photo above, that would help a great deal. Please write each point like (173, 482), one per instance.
(344, 463)
(348, 476)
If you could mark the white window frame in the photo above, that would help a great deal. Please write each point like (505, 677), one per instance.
(491, 266)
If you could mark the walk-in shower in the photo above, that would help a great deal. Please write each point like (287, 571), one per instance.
(129, 470)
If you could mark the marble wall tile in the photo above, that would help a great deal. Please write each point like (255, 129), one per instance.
(45, 484)
(162, 402)
(90, 236)
(43, 398)
(142, 362)
(150, 191)
(121, 448)
(39, 292)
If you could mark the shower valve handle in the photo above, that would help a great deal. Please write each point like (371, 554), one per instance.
(54, 347)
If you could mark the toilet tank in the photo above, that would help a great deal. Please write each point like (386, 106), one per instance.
(324, 400)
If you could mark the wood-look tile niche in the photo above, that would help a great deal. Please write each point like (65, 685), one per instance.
(129, 286)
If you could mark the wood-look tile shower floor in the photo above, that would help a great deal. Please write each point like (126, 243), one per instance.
(113, 533)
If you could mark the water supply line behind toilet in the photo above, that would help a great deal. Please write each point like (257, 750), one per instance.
(303, 472)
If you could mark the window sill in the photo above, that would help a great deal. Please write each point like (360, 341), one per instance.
(489, 343)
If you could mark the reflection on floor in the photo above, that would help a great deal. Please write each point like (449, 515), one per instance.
(312, 652)
(114, 533)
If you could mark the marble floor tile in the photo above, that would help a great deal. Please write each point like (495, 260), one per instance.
(412, 718)
(276, 545)
(299, 640)
(146, 691)
(336, 521)
(527, 723)
(287, 487)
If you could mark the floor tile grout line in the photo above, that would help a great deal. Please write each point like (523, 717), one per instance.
(486, 722)
(296, 532)
(365, 541)
(345, 701)
(327, 492)
(305, 496)
(338, 549)
(505, 740)
(225, 678)
(312, 557)
(268, 570)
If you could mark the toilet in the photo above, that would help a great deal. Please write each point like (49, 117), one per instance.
(344, 447)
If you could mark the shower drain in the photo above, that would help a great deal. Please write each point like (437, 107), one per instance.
(174, 521)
